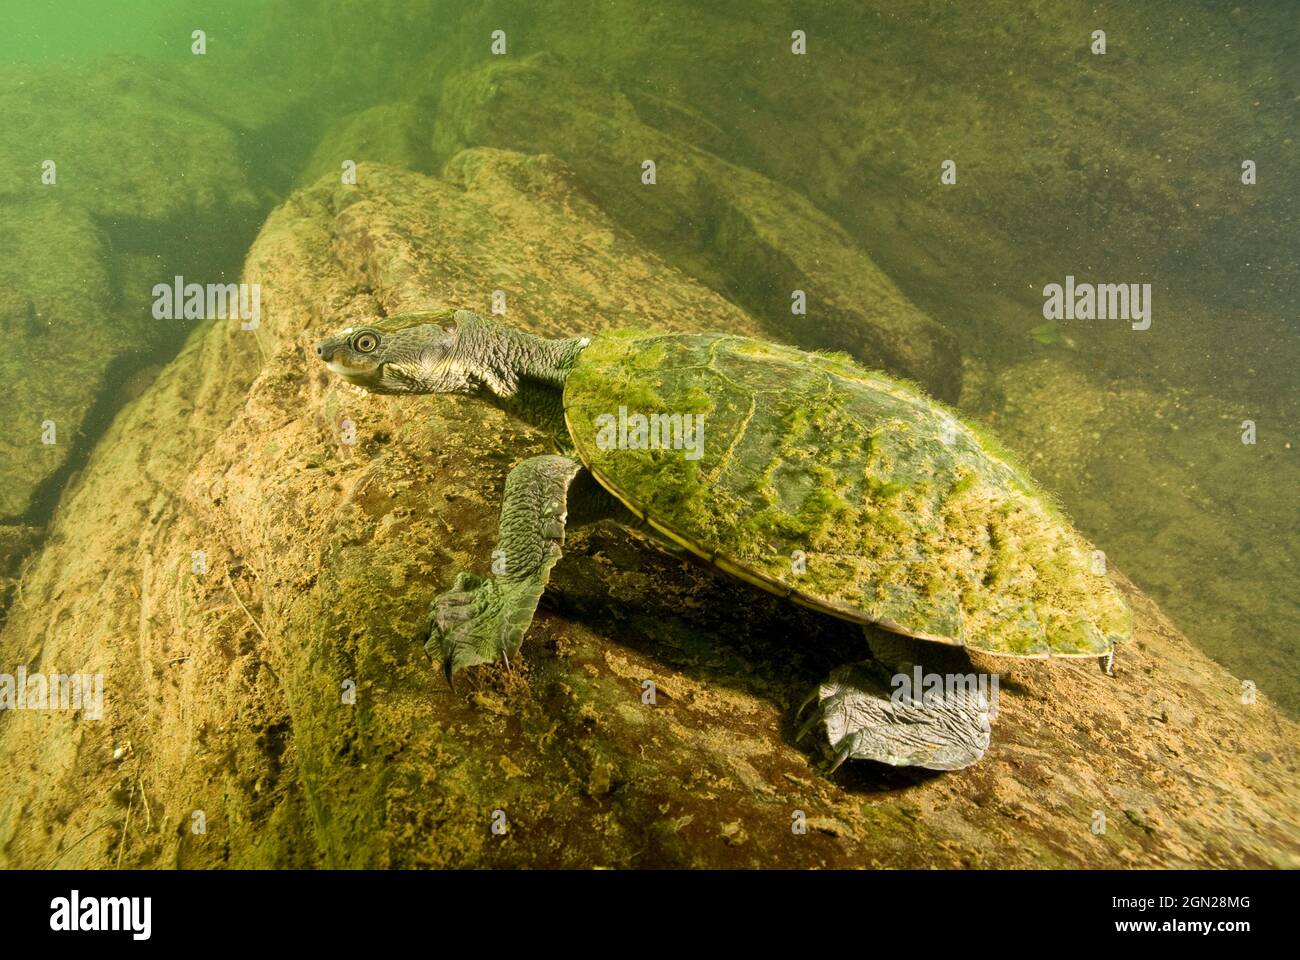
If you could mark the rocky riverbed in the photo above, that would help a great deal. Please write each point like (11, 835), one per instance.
(251, 585)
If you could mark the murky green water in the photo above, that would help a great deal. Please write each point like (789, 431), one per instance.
(965, 158)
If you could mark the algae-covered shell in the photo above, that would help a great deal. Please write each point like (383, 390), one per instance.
(841, 488)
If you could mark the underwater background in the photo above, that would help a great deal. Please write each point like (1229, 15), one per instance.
(922, 170)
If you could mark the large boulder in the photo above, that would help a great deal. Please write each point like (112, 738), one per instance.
(164, 161)
(61, 337)
(252, 588)
(727, 225)
(1196, 491)
(95, 214)
(396, 134)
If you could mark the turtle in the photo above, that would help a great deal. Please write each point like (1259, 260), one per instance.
(805, 474)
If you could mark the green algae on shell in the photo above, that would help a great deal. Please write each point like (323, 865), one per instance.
(844, 489)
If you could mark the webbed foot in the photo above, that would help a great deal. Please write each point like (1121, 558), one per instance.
(865, 721)
(477, 621)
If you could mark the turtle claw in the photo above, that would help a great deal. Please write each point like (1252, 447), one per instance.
(469, 624)
(843, 753)
(864, 721)
(808, 725)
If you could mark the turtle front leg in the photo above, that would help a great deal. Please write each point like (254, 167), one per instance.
(868, 717)
(482, 618)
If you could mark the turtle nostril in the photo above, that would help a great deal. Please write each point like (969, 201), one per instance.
(320, 351)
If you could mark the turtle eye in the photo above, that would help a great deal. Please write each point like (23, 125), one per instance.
(365, 343)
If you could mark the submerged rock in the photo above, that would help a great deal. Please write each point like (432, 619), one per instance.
(738, 231)
(396, 134)
(1164, 472)
(121, 178)
(129, 142)
(16, 541)
(252, 586)
(61, 338)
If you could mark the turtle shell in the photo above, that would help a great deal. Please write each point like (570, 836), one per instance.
(840, 488)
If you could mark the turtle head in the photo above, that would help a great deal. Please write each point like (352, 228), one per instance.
(404, 353)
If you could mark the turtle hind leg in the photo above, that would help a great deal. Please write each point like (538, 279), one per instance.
(867, 717)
